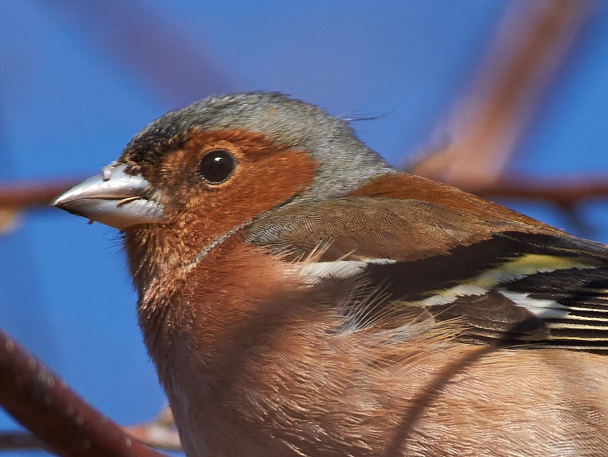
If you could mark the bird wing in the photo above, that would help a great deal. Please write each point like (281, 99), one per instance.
(508, 281)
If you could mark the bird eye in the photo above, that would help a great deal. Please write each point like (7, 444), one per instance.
(216, 166)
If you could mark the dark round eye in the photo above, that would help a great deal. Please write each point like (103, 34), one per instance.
(216, 166)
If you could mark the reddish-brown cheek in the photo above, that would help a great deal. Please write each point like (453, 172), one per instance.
(260, 182)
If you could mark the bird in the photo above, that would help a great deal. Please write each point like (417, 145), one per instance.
(299, 296)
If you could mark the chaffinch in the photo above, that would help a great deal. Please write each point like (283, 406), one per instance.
(299, 296)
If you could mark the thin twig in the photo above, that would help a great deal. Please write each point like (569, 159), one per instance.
(565, 192)
(21, 195)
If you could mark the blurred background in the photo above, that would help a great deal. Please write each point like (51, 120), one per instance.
(79, 78)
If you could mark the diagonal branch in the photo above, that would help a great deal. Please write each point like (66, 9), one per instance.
(485, 125)
(63, 422)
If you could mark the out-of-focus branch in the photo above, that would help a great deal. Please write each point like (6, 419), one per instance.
(19, 441)
(19, 196)
(63, 422)
(564, 192)
(16, 197)
(484, 126)
(154, 48)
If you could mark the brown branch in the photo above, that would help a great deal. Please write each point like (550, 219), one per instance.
(154, 48)
(483, 128)
(45, 405)
(13, 441)
(565, 192)
(160, 433)
(26, 195)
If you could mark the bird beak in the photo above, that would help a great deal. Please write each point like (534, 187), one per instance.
(113, 198)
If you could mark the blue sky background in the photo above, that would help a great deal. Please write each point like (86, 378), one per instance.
(74, 88)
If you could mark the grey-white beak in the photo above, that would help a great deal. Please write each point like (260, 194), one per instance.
(113, 198)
